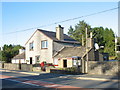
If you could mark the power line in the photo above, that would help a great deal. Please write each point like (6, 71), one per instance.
(64, 20)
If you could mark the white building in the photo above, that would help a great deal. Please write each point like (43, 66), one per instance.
(43, 45)
(20, 58)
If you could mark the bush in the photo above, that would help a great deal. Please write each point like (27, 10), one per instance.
(118, 56)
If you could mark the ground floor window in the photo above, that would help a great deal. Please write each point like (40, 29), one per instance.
(76, 61)
(55, 61)
(37, 58)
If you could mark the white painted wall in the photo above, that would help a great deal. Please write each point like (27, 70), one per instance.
(18, 60)
(45, 54)
(21, 51)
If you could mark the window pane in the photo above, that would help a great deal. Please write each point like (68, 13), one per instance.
(31, 46)
(44, 44)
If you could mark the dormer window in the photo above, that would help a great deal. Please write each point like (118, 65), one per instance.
(31, 46)
(44, 44)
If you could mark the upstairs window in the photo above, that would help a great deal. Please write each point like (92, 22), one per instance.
(31, 46)
(44, 44)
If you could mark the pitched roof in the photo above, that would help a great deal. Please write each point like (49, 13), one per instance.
(20, 56)
(52, 35)
(71, 51)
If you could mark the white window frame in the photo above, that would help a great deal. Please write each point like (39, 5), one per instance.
(44, 44)
(31, 46)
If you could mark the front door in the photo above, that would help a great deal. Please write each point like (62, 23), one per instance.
(64, 63)
(30, 60)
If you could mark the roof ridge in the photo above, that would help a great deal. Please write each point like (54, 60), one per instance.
(45, 30)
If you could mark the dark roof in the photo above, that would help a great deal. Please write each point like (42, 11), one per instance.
(20, 56)
(52, 35)
(70, 52)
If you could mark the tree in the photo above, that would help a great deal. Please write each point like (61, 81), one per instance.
(79, 30)
(118, 41)
(109, 39)
(9, 51)
(103, 36)
(71, 31)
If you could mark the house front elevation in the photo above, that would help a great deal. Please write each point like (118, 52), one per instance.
(43, 45)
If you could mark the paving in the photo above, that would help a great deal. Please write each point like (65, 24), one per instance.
(82, 76)
(52, 80)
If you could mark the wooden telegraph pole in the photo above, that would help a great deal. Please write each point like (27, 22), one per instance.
(86, 61)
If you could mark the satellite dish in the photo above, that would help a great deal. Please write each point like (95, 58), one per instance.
(96, 46)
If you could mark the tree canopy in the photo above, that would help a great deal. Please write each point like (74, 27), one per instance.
(9, 51)
(103, 36)
(79, 31)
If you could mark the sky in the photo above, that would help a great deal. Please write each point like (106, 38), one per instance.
(18, 16)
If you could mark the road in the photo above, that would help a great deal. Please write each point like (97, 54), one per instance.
(48, 80)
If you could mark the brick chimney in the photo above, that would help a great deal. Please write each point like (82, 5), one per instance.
(59, 32)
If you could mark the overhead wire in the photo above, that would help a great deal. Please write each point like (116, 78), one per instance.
(63, 21)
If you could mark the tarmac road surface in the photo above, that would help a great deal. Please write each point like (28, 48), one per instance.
(53, 81)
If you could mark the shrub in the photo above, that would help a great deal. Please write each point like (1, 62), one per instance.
(118, 56)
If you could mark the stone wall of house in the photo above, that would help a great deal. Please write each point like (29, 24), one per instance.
(91, 55)
(103, 68)
(11, 66)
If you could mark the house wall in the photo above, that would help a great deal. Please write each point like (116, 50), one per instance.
(69, 62)
(18, 61)
(57, 46)
(91, 55)
(45, 54)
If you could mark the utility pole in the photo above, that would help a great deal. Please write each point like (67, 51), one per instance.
(115, 46)
(83, 40)
(86, 62)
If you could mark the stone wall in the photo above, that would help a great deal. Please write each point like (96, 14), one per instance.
(71, 70)
(1, 65)
(11, 66)
(26, 67)
(37, 69)
(103, 68)
(63, 72)
(14, 66)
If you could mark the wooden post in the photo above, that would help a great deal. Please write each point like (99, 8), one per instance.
(86, 66)
(83, 66)
(83, 40)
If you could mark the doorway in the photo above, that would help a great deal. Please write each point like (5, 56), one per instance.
(64, 63)
(30, 60)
